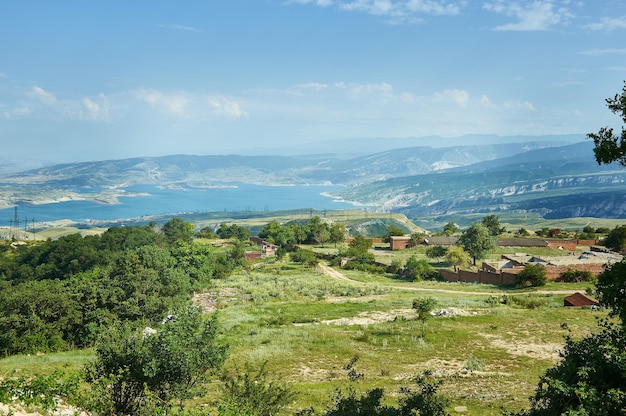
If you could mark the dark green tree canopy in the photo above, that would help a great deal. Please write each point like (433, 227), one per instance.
(450, 228)
(178, 230)
(477, 241)
(610, 147)
(532, 275)
(616, 238)
(493, 225)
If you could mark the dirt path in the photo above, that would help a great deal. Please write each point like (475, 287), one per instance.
(329, 271)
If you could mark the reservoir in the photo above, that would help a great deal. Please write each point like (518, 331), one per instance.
(158, 201)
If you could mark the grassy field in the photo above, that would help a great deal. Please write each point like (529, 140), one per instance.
(489, 347)
(307, 325)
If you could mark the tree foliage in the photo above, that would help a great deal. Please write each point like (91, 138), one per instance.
(457, 256)
(417, 269)
(616, 238)
(531, 275)
(61, 294)
(493, 225)
(178, 230)
(131, 366)
(254, 392)
(590, 379)
(337, 233)
(233, 231)
(575, 275)
(477, 241)
(611, 289)
(451, 228)
(422, 399)
(423, 307)
(610, 147)
(436, 252)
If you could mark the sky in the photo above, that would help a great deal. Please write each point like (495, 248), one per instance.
(114, 79)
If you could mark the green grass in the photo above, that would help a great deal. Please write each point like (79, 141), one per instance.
(19, 365)
(307, 326)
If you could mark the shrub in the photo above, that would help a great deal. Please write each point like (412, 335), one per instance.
(574, 275)
(254, 393)
(532, 275)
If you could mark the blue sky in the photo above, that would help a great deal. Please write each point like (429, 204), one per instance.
(111, 79)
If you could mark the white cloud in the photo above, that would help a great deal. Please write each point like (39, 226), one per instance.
(486, 102)
(609, 51)
(309, 86)
(172, 103)
(458, 97)
(18, 112)
(321, 3)
(519, 105)
(93, 110)
(225, 106)
(399, 11)
(531, 15)
(608, 23)
(182, 28)
(42, 95)
(356, 91)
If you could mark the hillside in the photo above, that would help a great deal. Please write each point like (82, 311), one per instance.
(557, 182)
(198, 171)
(554, 180)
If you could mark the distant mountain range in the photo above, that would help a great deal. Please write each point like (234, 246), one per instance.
(553, 178)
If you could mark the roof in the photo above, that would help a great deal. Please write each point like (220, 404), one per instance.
(579, 299)
(522, 242)
(440, 241)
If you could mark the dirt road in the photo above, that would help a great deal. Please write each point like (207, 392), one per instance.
(329, 271)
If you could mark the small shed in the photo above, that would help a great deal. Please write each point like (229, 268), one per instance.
(579, 299)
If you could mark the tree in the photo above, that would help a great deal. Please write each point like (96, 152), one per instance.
(477, 241)
(590, 378)
(417, 269)
(423, 307)
(254, 393)
(424, 400)
(616, 238)
(457, 257)
(304, 257)
(178, 230)
(318, 230)
(609, 147)
(611, 289)
(436, 252)
(493, 225)
(277, 234)
(392, 231)
(359, 245)
(337, 233)
(206, 232)
(451, 228)
(132, 366)
(233, 231)
(532, 274)
(575, 275)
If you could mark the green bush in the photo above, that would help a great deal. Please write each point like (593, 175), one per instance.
(574, 275)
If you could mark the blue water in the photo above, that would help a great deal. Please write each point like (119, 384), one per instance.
(166, 201)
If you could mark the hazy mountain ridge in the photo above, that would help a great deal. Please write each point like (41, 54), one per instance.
(557, 182)
(422, 180)
(310, 169)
